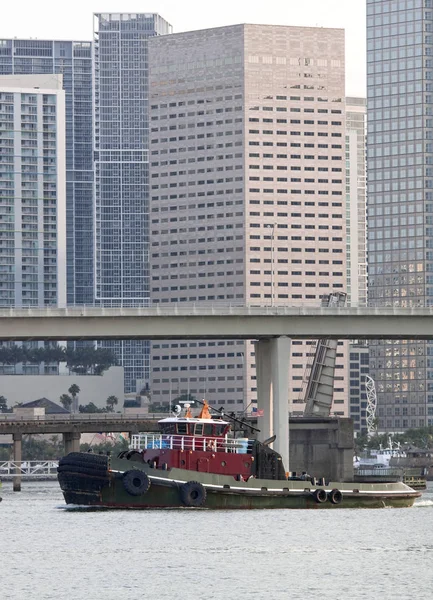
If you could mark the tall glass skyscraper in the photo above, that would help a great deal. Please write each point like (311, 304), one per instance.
(73, 61)
(121, 80)
(400, 199)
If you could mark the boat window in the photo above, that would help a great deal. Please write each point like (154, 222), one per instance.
(208, 429)
(181, 428)
(168, 428)
(199, 429)
(220, 429)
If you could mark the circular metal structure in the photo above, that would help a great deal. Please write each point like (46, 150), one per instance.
(371, 405)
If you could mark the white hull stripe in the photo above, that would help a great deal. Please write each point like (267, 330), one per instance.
(285, 490)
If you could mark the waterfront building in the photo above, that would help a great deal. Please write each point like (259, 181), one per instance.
(400, 199)
(32, 193)
(121, 146)
(358, 369)
(73, 61)
(248, 196)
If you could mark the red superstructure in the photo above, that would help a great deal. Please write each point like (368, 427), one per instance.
(199, 444)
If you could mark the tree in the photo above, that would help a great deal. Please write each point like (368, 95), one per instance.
(90, 408)
(89, 360)
(74, 390)
(111, 402)
(3, 404)
(66, 401)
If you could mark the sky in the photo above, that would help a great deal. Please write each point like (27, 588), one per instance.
(72, 20)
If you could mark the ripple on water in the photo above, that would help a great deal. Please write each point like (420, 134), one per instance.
(57, 551)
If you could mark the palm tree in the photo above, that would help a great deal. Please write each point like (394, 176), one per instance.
(111, 402)
(74, 390)
(66, 401)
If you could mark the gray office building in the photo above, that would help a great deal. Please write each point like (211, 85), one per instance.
(121, 145)
(400, 199)
(73, 61)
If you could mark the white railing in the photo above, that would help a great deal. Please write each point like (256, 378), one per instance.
(215, 309)
(29, 468)
(143, 441)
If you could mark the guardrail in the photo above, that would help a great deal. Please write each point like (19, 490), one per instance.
(212, 309)
(34, 469)
(11, 418)
(206, 305)
(146, 441)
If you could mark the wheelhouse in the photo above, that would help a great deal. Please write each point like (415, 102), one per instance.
(194, 427)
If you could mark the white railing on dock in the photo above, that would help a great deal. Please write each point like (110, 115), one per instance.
(142, 441)
(29, 468)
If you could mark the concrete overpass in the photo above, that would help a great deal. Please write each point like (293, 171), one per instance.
(219, 322)
(271, 326)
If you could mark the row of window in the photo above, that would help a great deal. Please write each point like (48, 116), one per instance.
(190, 160)
(239, 96)
(177, 207)
(294, 122)
(293, 167)
(252, 284)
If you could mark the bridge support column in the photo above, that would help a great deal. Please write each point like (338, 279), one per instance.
(75, 441)
(67, 442)
(17, 438)
(264, 397)
(280, 357)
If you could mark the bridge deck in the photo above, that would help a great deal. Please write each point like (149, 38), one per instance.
(227, 322)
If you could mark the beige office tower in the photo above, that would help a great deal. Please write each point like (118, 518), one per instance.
(247, 164)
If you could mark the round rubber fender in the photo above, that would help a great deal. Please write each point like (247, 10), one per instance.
(320, 496)
(136, 482)
(335, 496)
(193, 494)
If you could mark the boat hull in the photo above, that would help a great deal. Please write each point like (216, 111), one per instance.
(104, 486)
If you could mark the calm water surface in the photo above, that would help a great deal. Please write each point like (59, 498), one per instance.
(49, 552)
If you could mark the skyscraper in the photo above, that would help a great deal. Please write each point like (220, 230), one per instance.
(121, 144)
(32, 191)
(400, 199)
(73, 61)
(356, 197)
(247, 151)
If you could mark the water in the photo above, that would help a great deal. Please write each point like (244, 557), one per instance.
(49, 552)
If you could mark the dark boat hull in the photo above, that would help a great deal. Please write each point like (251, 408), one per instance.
(101, 484)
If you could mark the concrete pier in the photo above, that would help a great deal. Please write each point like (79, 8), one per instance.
(71, 441)
(18, 455)
(272, 364)
(264, 391)
(280, 352)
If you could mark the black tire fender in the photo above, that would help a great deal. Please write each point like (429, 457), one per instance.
(78, 470)
(320, 496)
(335, 496)
(193, 494)
(136, 482)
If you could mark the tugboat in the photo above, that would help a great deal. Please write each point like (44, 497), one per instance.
(195, 462)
